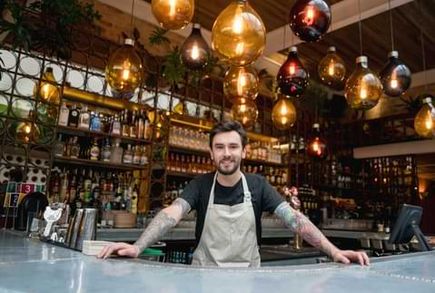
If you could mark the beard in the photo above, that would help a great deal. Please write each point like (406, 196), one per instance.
(233, 167)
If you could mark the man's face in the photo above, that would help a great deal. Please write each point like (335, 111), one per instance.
(227, 152)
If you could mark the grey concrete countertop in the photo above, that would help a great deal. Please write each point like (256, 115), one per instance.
(28, 265)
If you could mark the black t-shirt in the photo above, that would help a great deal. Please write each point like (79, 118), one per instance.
(197, 194)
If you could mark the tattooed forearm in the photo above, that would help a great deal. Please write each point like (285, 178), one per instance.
(162, 223)
(300, 224)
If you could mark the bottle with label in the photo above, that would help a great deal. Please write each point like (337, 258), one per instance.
(140, 124)
(117, 153)
(85, 118)
(144, 156)
(133, 130)
(73, 118)
(128, 155)
(133, 200)
(95, 151)
(59, 147)
(74, 148)
(64, 115)
(115, 128)
(136, 155)
(95, 122)
(106, 151)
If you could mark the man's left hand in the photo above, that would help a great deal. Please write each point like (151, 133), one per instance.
(348, 256)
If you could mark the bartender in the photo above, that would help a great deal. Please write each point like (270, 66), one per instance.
(229, 205)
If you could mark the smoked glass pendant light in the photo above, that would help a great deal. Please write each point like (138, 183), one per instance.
(194, 51)
(292, 77)
(424, 122)
(316, 145)
(395, 76)
(238, 34)
(363, 88)
(332, 70)
(173, 14)
(124, 70)
(245, 111)
(283, 113)
(27, 131)
(241, 81)
(47, 90)
(310, 19)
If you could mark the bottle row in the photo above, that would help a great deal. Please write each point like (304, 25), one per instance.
(275, 175)
(188, 138)
(101, 150)
(134, 124)
(173, 191)
(264, 152)
(87, 188)
(192, 164)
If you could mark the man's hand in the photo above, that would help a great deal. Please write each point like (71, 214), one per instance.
(348, 256)
(122, 249)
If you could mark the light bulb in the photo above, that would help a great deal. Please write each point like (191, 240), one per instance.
(238, 34)
(124, 70)
(47, 90)
(194, 51)
(283, 113)
(424, 122)
(241, 81)
(310, 19)
(363, 88)
(27, 131)
(395, 76)
(245, 111)
(332, 70)
(316, 145)
(173, 14)
(292, 77)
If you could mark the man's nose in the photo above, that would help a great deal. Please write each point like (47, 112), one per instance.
(227, 151)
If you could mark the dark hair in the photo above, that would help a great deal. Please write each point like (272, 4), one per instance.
(227, 126)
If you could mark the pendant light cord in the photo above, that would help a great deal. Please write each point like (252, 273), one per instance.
(423, 53)
(391, 25)
(360, 29)
(132, 17)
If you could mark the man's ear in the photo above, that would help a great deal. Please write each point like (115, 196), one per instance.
(244, 153)
(211, 155)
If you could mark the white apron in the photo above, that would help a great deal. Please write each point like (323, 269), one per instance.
(229, 237)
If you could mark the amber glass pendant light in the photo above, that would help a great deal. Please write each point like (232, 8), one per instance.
(241, 81)
(194, 51)
(363, 88)
(310, 19)
(27, 131)
(332, 70)
(424, 122)
(239, 34)
(395, 76)
(47, 90)
(292, 77)
(245, 111)
(283, 113)
(173, 14)
(316, 145)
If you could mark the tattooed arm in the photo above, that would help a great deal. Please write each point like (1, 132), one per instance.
(159, 226)
(300, 224)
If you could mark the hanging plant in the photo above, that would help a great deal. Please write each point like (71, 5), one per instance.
(173, 69)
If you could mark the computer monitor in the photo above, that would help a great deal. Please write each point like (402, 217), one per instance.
(407, 226)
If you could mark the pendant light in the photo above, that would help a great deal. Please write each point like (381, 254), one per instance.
(47, 90)
(239, 34)
(173, 14)
(241, 81)
(292, 77)
(27, 131)
(283, 113)
(363, 88)
(194, 51)
(424, 122)
(395, 76)
(245, 111)
(310, 19)
(332, 70)
(316, 145)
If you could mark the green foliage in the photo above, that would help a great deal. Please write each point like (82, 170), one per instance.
(158, 37)
(173, 69)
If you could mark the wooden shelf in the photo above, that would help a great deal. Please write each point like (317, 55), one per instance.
(180, 174)
(182, 150)
(91, 163)
(86, 132)
(265, 163)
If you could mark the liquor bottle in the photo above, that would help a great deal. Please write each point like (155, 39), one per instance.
(117, 153)
(144, 156)
(115, 128)
(84, 118)
(73, 187)
(59, 147)
(106, 151)
(125, 126)
(147, 131)
(136, 155)
(133, 130)
(128, 155)
(140, 124)
(134, 198)
(74, 148)
(73, 118)
(95, 151)
(95, 122)
(87, 185)
(64, 196)
(64, 115)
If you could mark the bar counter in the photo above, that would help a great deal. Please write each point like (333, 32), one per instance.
(28, 265)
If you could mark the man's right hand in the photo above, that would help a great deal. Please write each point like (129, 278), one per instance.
(121, 249)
